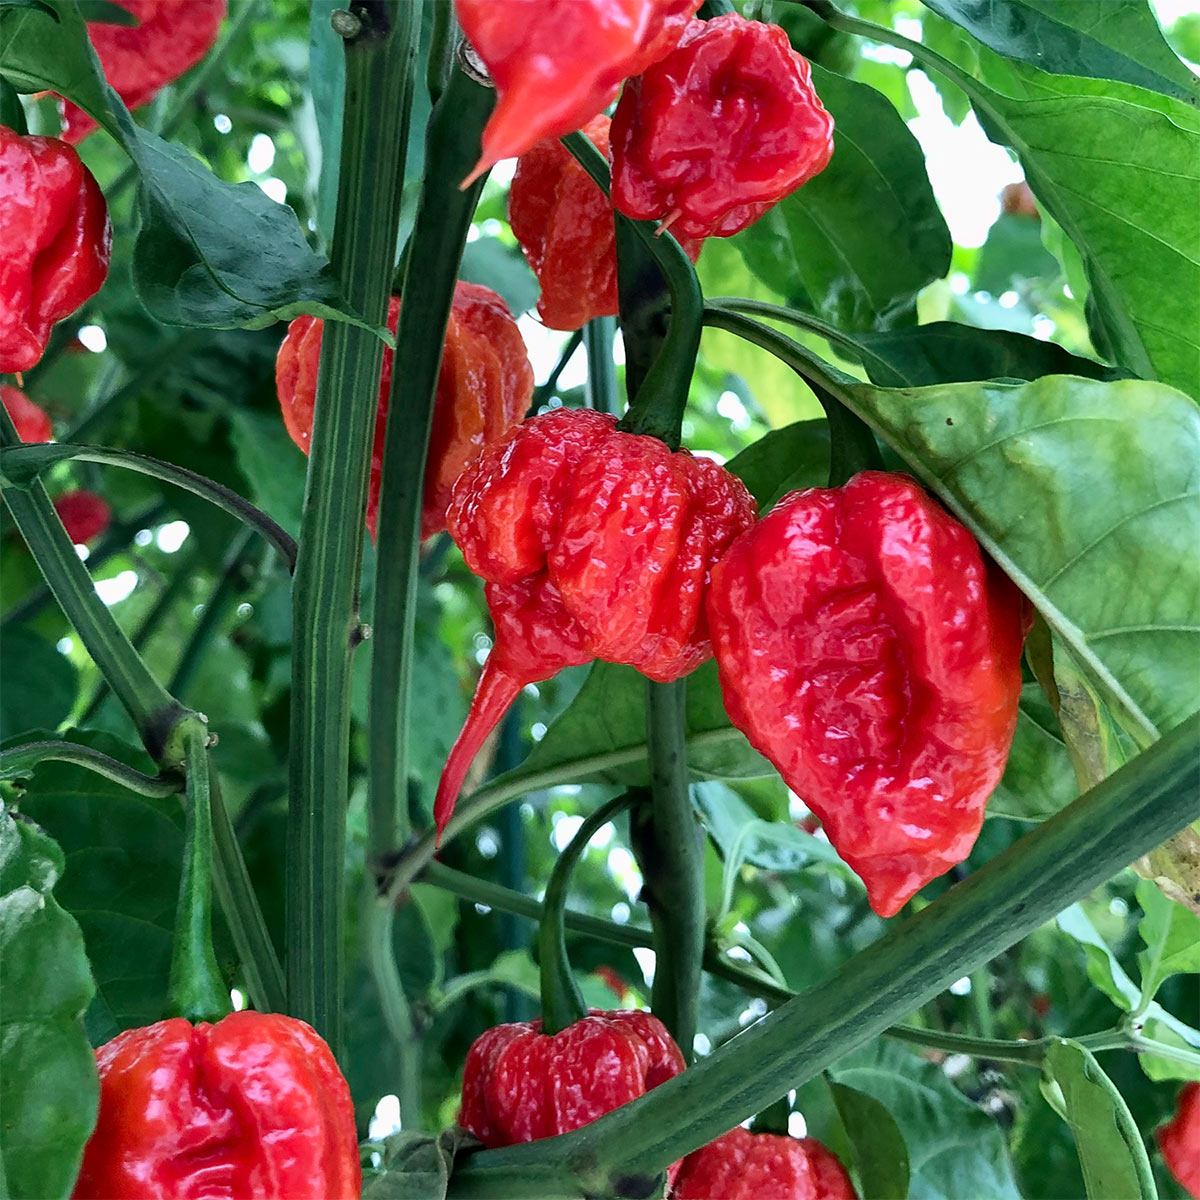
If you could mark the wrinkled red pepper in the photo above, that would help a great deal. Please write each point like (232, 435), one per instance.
(719, 131)
(31, 421)
(252, 1107)
(55, 242)
(564, 223)
(741, 1165)
(868, 649)
(140, 60)
(84, 515)
(594, 544)
(520, 1085)
(1179, 1140)
(484, 388)
(557, 63)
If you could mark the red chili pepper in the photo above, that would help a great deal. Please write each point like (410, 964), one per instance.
(871, 653)
(253, 1107)
(484, 388)
(594, 544)
(33, 425)
(84, 515)
(520, 1085)
(557, 63)
(612, 981)
(720, 130)
(55, 242)
(1179, 1141)
(564, 223)
(741, 1165)
(140, 60)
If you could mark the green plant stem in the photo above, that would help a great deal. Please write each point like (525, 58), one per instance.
(1135, 809)
(545, 390)
(17, 762)
(379, 63)
(23, 463)
(852, 445)
(439, 234)
(598, 335)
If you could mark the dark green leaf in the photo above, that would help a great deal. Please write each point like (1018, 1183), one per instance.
(39, 684)
(503, 268)
(1110, 1147)
(865, 235)
(880, 1154)
(1038, 779)
(1013, 254)
(44, 47)
(49, 1091)
(415, 1166)
(794, 457)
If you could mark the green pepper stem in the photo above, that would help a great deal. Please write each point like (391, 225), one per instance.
(18, 761)
(598, 335)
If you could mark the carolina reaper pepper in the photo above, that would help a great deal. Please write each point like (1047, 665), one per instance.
(720, 130)
(520, 1084)
(1179, 1140)
(33, 425)
(564, 223)
(594, 544)
(84, 515)
(139, 60)
(741, 1165)
(484, 388)
(253, 1107)
(557, 63)
(55, 242)
(867, 648)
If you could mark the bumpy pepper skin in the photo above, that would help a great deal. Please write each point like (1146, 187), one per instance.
(31, 421)
(594, 544)
(140, 60)
(484, 389)
(719, 131)
(84, 515)
(1179, 1141)
(252, 1107)
(520, 1084)
(557, 63)
(871, 653)
(741, 1165)
(55, 242)
(564, 223)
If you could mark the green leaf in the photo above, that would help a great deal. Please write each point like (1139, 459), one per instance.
(49, 1089)
(495, 264)
(1013, 254)
(796, 456)
(865, 235)
(1102, 966)
(1104, 39)
(1172, 937)
(39, 684)
(1159, 1068)
(954, 1148)
(415, 1166)
(880, 1154)
(1110, 1147)
(45, 47)
(1038, 778)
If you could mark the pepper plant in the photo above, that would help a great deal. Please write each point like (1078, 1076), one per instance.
(223, 725)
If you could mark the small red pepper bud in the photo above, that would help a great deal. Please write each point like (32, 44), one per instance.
(720, 130)
(33, 425)
(868, 649)
(85, 516)
(55, 242)
(741, 1165)
(564, 223)
(253, 1107)
(557, 63)
(484, 388)
(1179, 1141)
(139, 60)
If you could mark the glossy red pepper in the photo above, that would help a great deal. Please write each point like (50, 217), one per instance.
(564, 223)
(484, 389)
(868, 649)
(31, 421)
(84, 515)
(741, 1165)
(1179, 1140)
(557, 63)
(520, 1085)
(594, 544)
(140, 60)
(720, 130)
(55, 242)
(252, 1107)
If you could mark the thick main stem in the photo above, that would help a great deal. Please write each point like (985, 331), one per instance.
(379, 64)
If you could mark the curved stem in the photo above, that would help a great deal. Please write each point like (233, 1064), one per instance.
(17, 762)
(545, 390)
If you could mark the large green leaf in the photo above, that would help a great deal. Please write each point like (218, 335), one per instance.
(1038, 778)
(796, 456)
(49, 1091)
(1110, 1147)
(880, 1154)
(1104, 39)
(864, 236)
(1172, 936)
(39, 684)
